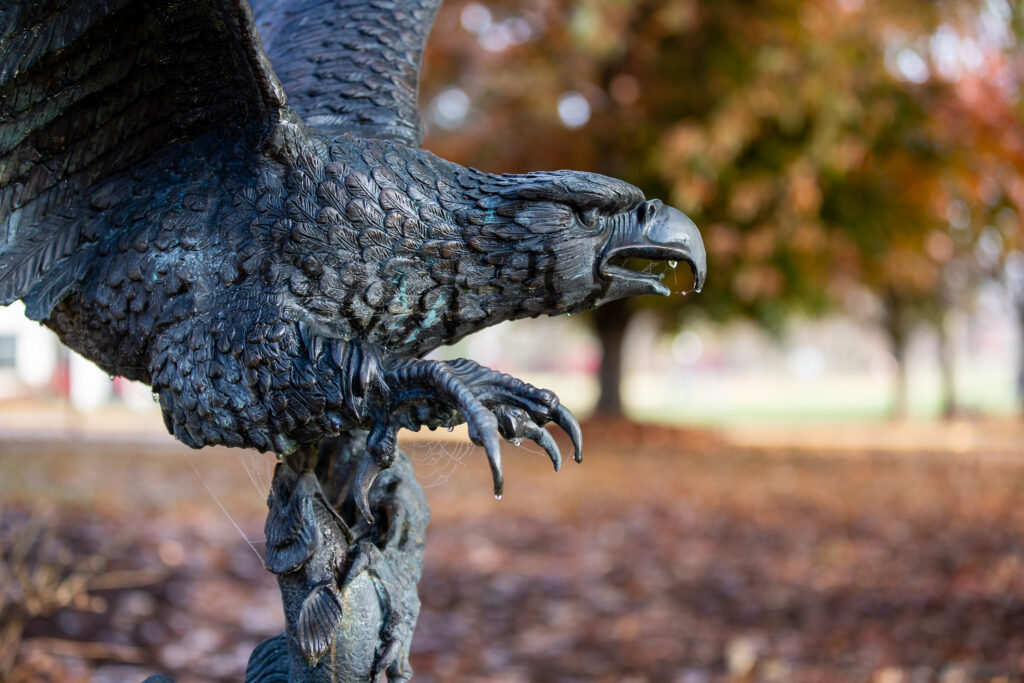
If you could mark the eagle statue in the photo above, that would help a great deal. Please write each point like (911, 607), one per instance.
(228, 201)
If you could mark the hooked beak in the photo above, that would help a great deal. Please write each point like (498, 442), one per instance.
(657, 233)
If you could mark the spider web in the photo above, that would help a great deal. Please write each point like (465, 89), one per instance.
(435, 461)
(252, 468)
(259, 467)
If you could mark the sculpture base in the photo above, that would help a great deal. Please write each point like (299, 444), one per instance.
(348, 588)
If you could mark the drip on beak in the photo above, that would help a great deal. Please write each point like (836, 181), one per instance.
(658, 233)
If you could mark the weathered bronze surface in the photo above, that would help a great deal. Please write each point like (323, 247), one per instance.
(274, 258)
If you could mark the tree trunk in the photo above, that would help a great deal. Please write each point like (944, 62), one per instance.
(1019, 300)
(610, 322)
(896, 330)
(947, 368)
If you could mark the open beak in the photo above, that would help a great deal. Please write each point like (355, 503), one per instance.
(658, 233)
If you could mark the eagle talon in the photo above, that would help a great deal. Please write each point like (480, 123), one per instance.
(567, 421)
(366, 474)
(493, 404)
(515, 424)
(542, 405)
(489, 440)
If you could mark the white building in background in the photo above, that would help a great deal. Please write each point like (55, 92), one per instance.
(28, 354)
(34, 363)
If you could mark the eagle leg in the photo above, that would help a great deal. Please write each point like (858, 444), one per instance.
(389, 394)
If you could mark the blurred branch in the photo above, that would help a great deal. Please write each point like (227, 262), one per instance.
(40, 575)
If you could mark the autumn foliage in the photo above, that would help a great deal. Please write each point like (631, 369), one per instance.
(826, 147)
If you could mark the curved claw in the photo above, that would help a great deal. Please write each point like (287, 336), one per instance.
(515, 424)
(365, 476)
(547, 442)
(567, 421)
(488, 438)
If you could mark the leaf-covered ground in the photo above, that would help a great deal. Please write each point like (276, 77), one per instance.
(666, 556)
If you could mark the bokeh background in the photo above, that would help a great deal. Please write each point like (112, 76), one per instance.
(811, 471)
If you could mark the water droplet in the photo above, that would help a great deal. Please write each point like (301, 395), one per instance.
(497, 496)
(451, 428)
(568, 315)
(110, 377)
(673, 264)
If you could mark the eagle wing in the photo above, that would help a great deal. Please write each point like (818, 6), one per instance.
(350, 66)
(91, 90)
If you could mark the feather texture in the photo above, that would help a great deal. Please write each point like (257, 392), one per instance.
(350, 66)
(88, 89)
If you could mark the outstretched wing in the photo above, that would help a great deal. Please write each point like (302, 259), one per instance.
(350, 66)
(92, 89)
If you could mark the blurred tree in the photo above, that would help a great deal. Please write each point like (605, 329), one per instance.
(819, 144)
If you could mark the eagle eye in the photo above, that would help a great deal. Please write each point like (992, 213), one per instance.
(591, 218)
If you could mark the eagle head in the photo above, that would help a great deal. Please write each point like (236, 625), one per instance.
(561, 242)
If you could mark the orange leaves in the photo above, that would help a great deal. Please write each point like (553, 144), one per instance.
(803, 193)
(779, 126)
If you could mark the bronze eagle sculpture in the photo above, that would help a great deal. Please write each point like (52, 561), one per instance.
(230, 203)
(273, 256)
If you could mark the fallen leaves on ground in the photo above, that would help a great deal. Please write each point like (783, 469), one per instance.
(666, 556)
